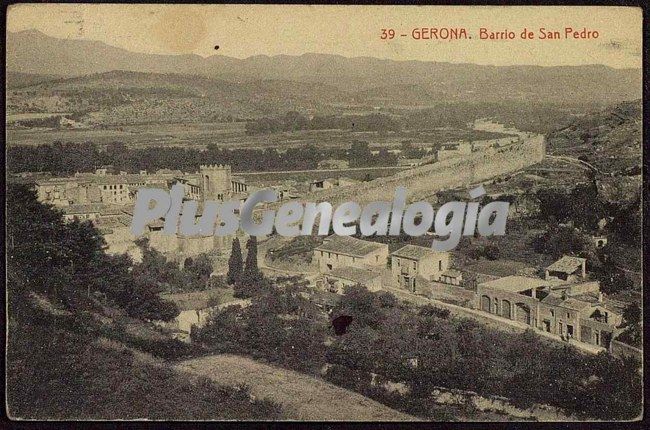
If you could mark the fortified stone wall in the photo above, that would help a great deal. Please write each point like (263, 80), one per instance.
(425, 180)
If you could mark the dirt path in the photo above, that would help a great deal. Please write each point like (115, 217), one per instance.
(304, 397)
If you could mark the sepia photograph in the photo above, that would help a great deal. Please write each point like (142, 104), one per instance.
(341, 213)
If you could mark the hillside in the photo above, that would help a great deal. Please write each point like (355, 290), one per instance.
(79, 338)
(135, 97)
(74, 375)
(370, 78)
(609, 139)
(304, 397)
(19, 79)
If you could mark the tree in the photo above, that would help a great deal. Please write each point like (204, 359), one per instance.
(199, 270)
(491, 251)
(251, 272)
(558, 241)
(632, 315)
(632, 335)
(66, 262)
(235, 263)
(613, 281)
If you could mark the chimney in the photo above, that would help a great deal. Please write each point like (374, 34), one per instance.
(600, 296)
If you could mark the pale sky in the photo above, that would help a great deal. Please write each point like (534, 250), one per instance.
(245, 30)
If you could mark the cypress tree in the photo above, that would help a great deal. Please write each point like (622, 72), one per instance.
(235, 263)
(251, 271)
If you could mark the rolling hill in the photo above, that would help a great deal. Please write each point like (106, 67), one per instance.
(367, 79)
(609, 139)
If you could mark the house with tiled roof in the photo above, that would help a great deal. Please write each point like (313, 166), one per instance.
(339, 278)
(567, 268)
(341, 251)
(412, 262)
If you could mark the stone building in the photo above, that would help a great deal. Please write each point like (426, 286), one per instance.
(216, 182)
(337, 279)
(576, 311)
(570, 269)
(412, 262)
(322, 184)
(341, 251)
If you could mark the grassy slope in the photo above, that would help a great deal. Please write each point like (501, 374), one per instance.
(54, 371)
(304, 397)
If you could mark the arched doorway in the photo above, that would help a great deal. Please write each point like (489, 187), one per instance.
(523, 313)
(485, 304)
(506, 312)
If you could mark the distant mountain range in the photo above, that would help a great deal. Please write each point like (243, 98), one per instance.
(364, 79)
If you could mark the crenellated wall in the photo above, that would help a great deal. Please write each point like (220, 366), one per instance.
(425, 180)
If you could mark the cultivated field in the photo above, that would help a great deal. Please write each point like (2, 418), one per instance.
(232, 135)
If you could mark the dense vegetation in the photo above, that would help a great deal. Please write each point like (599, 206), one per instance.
(58, 370)
(384, 337)
(166, 276)
(64, 295)
(68, 158)
(66, 261)
(573, 217)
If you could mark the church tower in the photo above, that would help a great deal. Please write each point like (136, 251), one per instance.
(216, 182)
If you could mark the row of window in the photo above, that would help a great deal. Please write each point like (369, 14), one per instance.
(415, 265)
(329, 255)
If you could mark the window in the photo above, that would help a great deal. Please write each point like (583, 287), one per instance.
(568, 315)
(397, 262)
(376, 258)
(552, 313)
(415, 265)
(440, 265)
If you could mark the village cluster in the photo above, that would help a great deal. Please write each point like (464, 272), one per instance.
(297, 218)
(563, 303)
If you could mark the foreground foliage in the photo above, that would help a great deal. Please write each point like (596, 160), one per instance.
(425, 349)
(58, 370)
(60, 363)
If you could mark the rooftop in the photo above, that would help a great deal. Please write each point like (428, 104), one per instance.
(607, 303)
(348, 245)
(100, 208)
(569, 302)
(415, 252)
(566, 264)
(517, 284)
